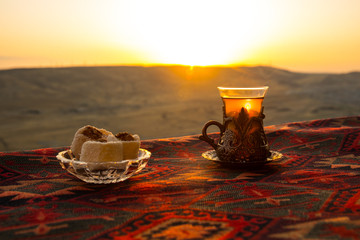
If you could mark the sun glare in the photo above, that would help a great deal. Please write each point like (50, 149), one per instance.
(197, 32)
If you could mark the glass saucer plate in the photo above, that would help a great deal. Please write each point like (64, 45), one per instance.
(103, 172)
(211, 155)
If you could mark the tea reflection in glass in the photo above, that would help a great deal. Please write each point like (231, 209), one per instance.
(236, 98)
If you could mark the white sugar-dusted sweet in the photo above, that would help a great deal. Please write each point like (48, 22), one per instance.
(111, 138)
(88, 133)
(91, 144)
(131, 147)
(93, 151)
(131, 144)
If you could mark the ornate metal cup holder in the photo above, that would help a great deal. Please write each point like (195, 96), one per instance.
(242, 139)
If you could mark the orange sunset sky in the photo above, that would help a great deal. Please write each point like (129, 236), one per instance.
(298, 35)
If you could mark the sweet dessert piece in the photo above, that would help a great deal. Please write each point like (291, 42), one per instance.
(88, 133)
(91, 144)
(131, 144)
(93, 151)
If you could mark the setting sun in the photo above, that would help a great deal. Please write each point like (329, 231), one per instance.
(300, 35)
(199, 32)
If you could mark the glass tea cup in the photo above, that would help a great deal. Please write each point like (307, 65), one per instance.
(242, 138)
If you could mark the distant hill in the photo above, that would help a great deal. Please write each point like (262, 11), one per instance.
(44, 107)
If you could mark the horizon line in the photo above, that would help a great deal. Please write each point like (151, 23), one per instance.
(173, 65)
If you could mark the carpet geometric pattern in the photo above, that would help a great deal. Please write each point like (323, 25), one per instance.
(313, 192)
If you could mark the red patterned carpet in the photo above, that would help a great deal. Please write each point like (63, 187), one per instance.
(312, 193)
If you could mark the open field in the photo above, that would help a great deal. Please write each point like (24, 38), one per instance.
(44, 107)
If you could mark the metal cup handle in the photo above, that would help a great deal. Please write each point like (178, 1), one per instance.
(206, 138)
